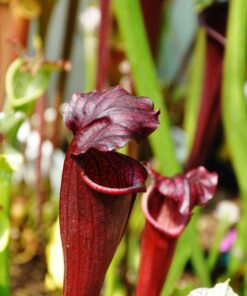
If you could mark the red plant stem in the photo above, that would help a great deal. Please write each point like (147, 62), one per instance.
(156, 256)
(168, 206)
(62, 76)
(103, 48)
(152, 13)
(209, 112)
(40, 108)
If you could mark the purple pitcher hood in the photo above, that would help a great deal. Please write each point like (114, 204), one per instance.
(169, 202)
(108, 120)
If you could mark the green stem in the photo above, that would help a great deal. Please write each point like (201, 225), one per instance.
(194, 89)
(214, 250)
(5, 183)
(234, 102)
(129, 17)
(199, 262)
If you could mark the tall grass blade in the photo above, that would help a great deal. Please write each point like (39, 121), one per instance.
(129, 17)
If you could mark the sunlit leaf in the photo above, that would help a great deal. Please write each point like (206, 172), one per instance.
(27, 79)
(23, 87)
(11, 160)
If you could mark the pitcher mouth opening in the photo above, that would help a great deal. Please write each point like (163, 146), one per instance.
(163, 214)
(111, 172)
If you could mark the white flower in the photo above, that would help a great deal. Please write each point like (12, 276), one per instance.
(221, 289)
